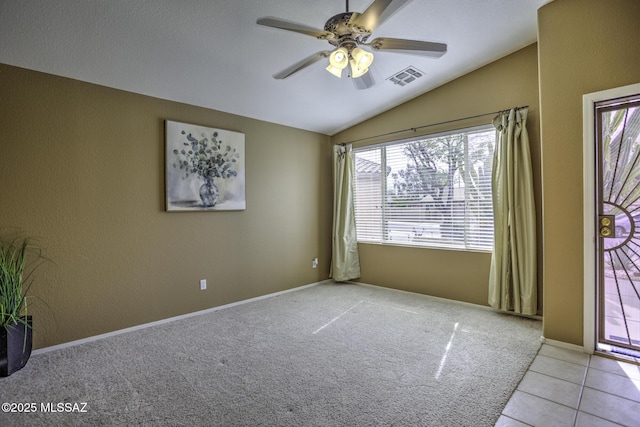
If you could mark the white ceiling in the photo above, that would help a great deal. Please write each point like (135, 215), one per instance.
(211, 53)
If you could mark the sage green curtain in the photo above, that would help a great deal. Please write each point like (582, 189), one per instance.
(345, 261)
(513, 273)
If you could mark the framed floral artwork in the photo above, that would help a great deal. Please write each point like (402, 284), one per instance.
(204, 168)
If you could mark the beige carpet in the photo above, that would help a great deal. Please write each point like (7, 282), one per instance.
(327, 355)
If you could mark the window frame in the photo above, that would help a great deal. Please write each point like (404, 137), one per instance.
(384, 228)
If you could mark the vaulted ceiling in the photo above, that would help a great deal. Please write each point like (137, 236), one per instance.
(211, 53)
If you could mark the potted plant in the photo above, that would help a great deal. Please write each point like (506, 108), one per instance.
(18, 260)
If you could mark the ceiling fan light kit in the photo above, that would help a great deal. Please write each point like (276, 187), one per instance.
(357, 71)
(336, 71)
(362, 57)
(338, 61)
(349, 31)
(360, 62)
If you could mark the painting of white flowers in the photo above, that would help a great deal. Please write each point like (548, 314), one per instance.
(204, 168)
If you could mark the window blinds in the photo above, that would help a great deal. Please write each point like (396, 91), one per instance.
(434, 191)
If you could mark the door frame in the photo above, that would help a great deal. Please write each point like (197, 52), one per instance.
(589, 100)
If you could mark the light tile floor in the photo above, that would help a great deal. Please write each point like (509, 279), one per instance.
(568, 388)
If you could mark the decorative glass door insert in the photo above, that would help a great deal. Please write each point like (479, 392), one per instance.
(618, 222)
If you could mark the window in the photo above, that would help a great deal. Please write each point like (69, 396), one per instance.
(434, 191)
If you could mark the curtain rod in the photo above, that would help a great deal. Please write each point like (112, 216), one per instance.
(430, 125)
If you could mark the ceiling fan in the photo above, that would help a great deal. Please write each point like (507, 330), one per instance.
(348, 32)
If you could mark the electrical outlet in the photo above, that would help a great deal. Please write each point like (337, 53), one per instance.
(203, 284)
(314, 263)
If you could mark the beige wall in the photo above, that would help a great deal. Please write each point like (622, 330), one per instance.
(584, 46)
(509, 82)
(82, 169)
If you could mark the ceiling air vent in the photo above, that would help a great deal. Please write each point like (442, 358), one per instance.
(406, 76)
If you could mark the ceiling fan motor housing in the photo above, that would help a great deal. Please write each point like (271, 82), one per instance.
(345, 31)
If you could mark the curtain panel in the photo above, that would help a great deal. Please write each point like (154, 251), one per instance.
(513, 273)
(345, 261)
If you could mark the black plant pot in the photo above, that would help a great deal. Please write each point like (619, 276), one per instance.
(14, 348)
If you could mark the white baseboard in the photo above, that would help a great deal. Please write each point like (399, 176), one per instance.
(469, 304)
(170, 319)
(565, 345)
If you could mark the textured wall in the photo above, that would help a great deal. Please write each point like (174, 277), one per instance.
(82, 169)
(584, 46)
(509, 82)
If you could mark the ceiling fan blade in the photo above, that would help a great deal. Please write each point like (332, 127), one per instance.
(415, 47)
(377, 13)
(294, 26)
(302, 64)
(364, 82)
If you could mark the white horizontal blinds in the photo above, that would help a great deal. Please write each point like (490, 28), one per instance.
(409, 188)
(479, 200)
(436, 191)
(368, 194)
